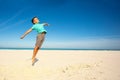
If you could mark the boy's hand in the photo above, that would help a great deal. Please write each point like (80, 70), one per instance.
(21, 37)
(46, 24)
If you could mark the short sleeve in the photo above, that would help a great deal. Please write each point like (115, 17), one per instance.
(33, 27)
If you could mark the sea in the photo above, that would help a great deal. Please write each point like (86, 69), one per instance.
(56, 49)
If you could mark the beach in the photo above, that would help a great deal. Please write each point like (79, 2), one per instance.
(60, 65)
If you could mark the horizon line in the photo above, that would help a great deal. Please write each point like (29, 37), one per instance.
(10, 48)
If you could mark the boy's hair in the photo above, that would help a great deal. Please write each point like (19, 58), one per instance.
(33, 19)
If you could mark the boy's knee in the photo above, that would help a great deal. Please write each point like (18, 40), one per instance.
(36, 47)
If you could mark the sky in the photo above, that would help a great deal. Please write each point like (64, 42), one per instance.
(81, 24)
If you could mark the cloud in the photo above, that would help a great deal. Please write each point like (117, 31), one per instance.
(11, 26)
(12, 18)
(5, 23)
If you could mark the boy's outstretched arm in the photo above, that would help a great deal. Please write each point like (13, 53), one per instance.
(27, 32)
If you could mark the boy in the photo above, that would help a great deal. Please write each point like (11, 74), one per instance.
(40, 37)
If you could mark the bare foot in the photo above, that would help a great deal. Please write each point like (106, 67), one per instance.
(34, 61)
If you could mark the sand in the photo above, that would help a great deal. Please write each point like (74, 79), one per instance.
(60, 65)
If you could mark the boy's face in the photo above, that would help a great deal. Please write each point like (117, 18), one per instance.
(36, 20)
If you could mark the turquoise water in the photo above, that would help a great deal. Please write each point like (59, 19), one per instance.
(53, 49)
(41, 49)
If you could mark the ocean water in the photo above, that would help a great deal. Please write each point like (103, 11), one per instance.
(54, 49)
(41, 49)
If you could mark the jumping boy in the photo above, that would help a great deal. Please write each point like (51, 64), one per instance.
(40, 36)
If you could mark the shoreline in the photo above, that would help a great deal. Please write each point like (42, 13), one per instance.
(64, 49)
(20, 48)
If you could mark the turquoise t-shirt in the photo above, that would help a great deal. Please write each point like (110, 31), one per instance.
(39, 28)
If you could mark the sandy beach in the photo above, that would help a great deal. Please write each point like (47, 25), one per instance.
(60, 65)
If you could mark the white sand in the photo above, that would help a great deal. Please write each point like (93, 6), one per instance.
(60, 65)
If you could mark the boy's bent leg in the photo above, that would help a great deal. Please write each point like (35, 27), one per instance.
(39, 42)
(34, 53)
